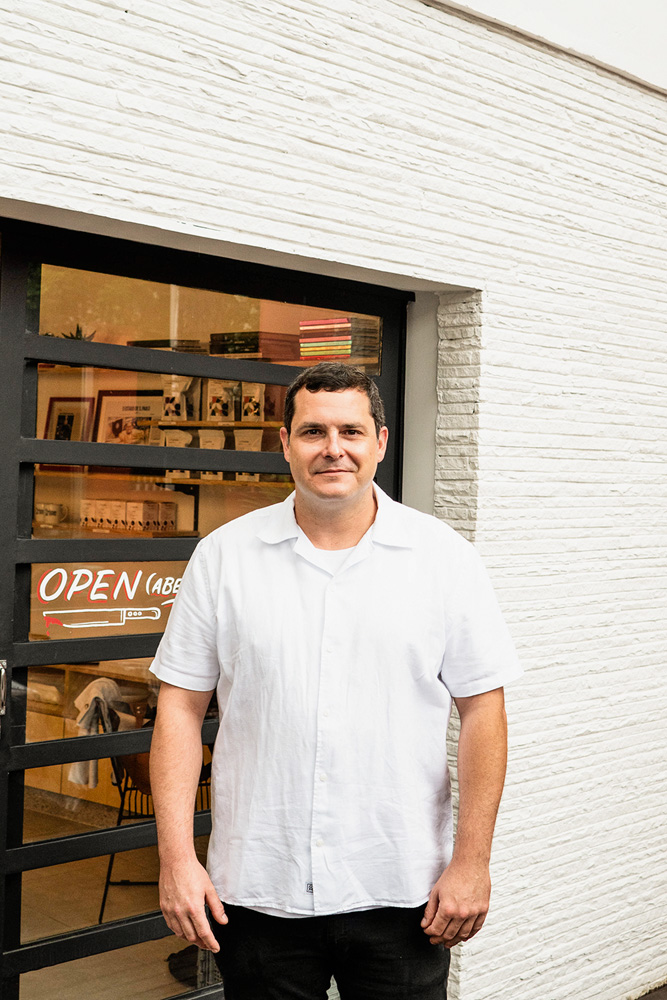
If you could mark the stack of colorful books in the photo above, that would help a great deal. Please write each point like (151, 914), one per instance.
(325, 339)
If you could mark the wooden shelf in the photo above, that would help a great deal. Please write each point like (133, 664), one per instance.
(125, 477)
(72, 531)
(216, 424)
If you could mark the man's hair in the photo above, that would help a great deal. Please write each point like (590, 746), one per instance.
(333, 376)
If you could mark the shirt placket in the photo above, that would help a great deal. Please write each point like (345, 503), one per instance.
(327, 791)
(323, 820)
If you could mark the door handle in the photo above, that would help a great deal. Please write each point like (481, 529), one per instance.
(3, 687)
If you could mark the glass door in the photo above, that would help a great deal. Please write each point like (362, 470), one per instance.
(142, 400)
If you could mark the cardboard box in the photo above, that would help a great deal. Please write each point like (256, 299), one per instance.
(142, 516)
(118, 515)
(88, 514)
(167, 516)
(103, 515)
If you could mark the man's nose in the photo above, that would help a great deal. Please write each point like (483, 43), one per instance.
(332, 445)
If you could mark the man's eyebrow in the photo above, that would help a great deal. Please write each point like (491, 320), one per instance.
(310, 425)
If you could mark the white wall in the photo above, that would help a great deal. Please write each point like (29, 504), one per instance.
(627, 36)
(393, 138)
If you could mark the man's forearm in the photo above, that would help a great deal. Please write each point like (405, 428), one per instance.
(175, 763)
(459, 901)
(482, 761)
(176, 756)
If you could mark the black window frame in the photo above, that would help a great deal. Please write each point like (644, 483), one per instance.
(24, 244)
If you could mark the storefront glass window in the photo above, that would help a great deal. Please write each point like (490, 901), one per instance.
(58, 698)
(139, 408)
(49, 906)
(111, 309)
(88, 502)
(152, 970)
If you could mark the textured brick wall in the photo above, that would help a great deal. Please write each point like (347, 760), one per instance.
(394, 136)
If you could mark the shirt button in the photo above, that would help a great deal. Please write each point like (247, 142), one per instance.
(326, 713)
(323, 777)
(319, 842)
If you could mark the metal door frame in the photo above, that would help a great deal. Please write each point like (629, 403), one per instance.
(21, 350)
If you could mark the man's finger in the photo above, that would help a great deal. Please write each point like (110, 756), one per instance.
(198, 935)
(430, 911)
(216, 907)
(449, 930)
(464, 933)
(204, 936)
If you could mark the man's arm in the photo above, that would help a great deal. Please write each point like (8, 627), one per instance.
(175, 766)
(459, 901)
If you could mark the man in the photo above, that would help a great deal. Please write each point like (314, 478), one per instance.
(337, 627)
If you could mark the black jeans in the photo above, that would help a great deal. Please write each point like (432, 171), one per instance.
(373, 955)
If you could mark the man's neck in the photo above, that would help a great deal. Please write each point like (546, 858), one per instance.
(332, 524)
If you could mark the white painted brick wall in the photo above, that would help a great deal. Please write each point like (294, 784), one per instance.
(394, 136)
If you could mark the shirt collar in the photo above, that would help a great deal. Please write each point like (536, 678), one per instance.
(389, 528)
(280, 523)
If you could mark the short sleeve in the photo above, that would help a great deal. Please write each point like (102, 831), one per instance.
(187, 654)
(479, 651)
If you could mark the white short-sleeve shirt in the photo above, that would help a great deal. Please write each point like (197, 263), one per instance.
(330, 784)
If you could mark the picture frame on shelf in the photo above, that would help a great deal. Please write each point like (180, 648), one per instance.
(128, 416)
(68, 418)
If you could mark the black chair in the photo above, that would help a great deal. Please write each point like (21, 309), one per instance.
(131, 778)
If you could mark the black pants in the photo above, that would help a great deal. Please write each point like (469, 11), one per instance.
(373, 955)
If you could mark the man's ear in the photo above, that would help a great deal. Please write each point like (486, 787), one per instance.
(383, 437)
(284, 440)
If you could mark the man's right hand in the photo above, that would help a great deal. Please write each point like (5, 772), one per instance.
(185, 889)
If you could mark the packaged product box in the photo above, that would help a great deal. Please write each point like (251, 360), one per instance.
(103, 515)
(151, 516)
(252, 402)
(142, 515)
(119, 515)
(219, 402)
(88, 513)
(167, 515)
(213, 440)
(134, 513)
(248, 440)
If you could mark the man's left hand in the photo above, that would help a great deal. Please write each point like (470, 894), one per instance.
(458, 904)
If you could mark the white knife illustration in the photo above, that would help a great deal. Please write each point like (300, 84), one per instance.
(97, 617)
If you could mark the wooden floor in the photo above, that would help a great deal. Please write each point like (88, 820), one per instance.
(67, 897)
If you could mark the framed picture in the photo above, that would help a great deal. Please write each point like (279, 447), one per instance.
(68, 418)
(128, 416)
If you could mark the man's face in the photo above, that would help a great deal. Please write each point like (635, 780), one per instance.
(333, 449)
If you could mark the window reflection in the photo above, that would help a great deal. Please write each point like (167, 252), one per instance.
(58, 698)
(130, 407)
(81, 502)
(159, 969)
(107, 308)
